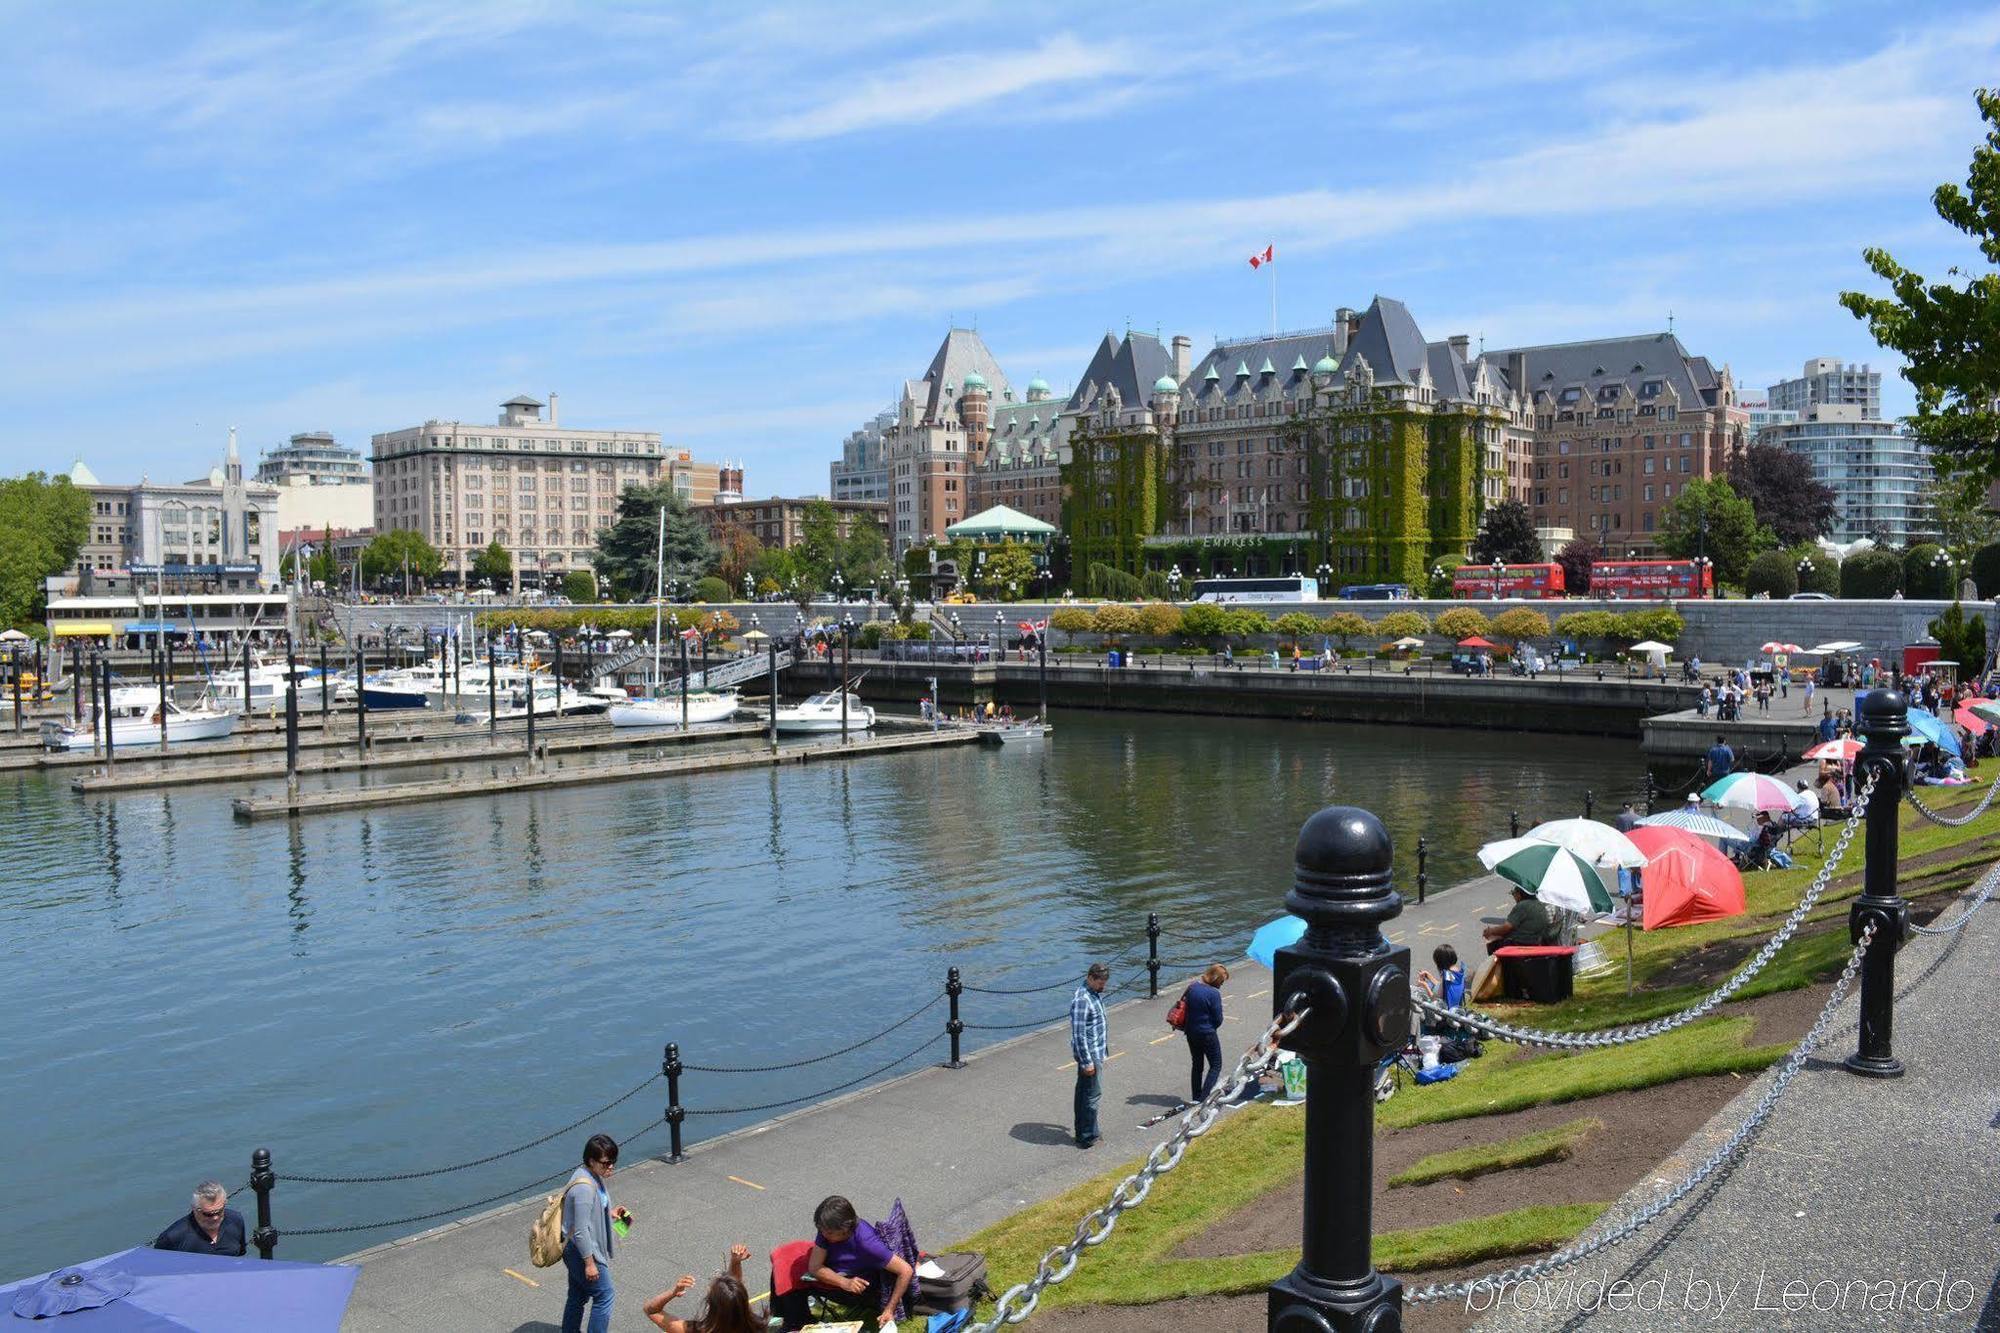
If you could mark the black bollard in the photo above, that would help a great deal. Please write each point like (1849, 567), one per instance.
(1589, 802)
(291, 719)
(1513, 823)
(104, 694)
(1153, 954)
(360, 699)
(676, 1113)
(1423, 866)
(774, 695)
(15, 660)
(1883, 717)
(1357, 986)
(76, 683)
(492, 695)
(953, 988)
(1649, 792)
(262, 1179)
(325, 692)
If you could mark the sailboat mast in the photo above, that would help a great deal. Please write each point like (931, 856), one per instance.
(659, 594)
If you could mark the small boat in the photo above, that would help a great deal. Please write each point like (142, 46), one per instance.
(135, 722)
(392, 690)
(1010, 733)
(665, 711)
(821, 713)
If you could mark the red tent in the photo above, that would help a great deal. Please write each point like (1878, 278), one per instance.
(1686, 880)
(1476, 642)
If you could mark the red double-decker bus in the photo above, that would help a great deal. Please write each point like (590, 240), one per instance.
(1525, 581)
(1650, 580)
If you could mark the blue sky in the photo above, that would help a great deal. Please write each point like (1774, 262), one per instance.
(743, 228)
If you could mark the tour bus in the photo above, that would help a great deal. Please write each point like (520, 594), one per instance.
(1513, 581)
(1376, 592)
(1650, 580)
(1277, 588)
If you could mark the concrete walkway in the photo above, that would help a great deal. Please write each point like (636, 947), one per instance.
(962, 1148)
(1852, 1184)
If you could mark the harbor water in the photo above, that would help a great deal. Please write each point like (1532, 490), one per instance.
(392, 992)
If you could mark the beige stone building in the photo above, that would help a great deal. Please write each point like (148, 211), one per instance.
(541, 489)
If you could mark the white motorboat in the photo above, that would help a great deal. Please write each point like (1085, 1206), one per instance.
(665, 711)
(821, 713)
(267, 687)
(135, 721)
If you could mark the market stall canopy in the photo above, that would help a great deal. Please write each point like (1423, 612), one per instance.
(1692, 820)
(1407, 643)
(1650, 646)
(1687, 881)
(1838, 646)
(756, 634)
(12, 636)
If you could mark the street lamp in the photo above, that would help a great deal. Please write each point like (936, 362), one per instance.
(749, 586)
(1174, 584)
(1805, 569)
(999, 636)
(1702, 565)
(1499, 570)
(838, 583)
(954, 629)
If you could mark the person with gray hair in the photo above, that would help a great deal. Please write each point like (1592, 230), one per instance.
(210, 1227)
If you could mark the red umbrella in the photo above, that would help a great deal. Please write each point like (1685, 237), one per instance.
(1476, 642)
(1686, 880)
(1970, 720)
(1844, 750)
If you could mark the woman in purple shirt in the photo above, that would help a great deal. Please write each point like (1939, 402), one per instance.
(849, 1255)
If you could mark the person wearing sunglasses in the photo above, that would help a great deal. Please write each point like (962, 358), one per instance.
(211, 1227)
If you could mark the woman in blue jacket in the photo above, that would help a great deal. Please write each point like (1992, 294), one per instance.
(1204, 1017)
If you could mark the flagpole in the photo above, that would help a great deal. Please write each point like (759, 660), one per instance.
(1273, 266)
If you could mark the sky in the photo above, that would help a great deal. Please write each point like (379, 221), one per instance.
(745, 227)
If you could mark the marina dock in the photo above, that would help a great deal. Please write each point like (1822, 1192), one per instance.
(286, 804)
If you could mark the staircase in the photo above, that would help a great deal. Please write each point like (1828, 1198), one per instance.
(941, 628)
(737, 670)
(619, 663)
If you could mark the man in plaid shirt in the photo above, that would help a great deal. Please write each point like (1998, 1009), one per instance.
(1086, 1043)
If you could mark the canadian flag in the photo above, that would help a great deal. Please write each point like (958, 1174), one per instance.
(1258, 261)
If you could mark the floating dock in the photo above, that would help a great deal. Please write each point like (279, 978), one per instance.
(287, 804)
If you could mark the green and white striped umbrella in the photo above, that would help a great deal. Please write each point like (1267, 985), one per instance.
(1556, 875)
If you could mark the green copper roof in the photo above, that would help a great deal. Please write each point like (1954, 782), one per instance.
(1213, 374)
(1242, 370)
(974, 380)
(1326, 365)
(1267, 368)
(1165, 384)
(1299, 366)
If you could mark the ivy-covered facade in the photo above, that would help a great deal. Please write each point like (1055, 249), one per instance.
(1359, 453)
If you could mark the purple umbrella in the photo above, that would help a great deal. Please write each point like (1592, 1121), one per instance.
(162, 1291)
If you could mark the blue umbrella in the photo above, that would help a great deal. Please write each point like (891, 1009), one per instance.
(1273, 936)
(1937, 733)
(161, 1291)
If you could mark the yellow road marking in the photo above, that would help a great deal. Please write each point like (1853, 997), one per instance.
(1425, 930)
(1157, 1040)
(1449, 926)
(1396, 937)
(760, 1296)
(521, 1277)
(1255, 993)
(751, 1183)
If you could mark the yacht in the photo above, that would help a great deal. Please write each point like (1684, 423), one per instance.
(266, 687)
(821, 713)
(407, 688)
(665, 711)
(135, 721)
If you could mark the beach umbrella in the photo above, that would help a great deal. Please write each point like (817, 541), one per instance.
(1969, 716)
(1846, 750)
(1273, 936)
(1924, 727)
(1749, 791)
(1686, 880)
(1600, 844)
(1476, 642)
(1650, 646)
(1988, 709)
(1407, 643)
(159, 1291)
(1780, 646)
(1556, 875)
(1690, 819)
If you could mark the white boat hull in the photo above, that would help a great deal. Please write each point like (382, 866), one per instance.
(858, 719)
(133, 733)
(666, 712)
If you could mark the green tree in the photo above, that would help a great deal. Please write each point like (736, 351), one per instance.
(1070, 621)
(1461, 622)
(820, 547)
(1345, 626)
(1961, 639)
(1114, 619)
(711, 589)
(1507, 533)
(493, 564)
(1204, 621)
(1247, 624)
(864, 554)
(1925, 572)
(1773, 574)
(392, 554)
(1871, 574)
(1160, 619)
(1588, 626)
(1521, 622)
(1104, 581)
(1986, 569)
(1403, 625)
(1710, 518)
(1009, 564)
(625, 552)
(1946, 331)
(1821, 572)
(1658, 624)
(579, 586)
(1297, 625)
(43, 524)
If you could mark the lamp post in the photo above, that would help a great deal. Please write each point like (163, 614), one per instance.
(955, 635)
(1325, 576)
(1943, 560)
(999, 638)
(846, 639)
(1702, 566)
(1499, 570)
(1805, 569)
(1174, 584)
(749, 586)
(674, 624)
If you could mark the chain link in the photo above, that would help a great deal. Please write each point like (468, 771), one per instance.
(1590, 1041)
(1953, 821)
(1095, 1227)
(930, 1004)
(1632, 1225)
(1986, 885)
(927, 1043)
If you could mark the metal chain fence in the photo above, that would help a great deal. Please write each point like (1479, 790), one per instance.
(1095, 1227)
(925, 1008)
(1588, 1041)
(1631, 1226)
(1985, 887)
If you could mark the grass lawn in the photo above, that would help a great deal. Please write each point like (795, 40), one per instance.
(1481, 1159)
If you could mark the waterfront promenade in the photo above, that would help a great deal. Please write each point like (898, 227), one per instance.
(961, 1148)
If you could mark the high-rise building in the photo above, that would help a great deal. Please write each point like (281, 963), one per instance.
(942, 427)
(540, 489)
(1827, 383)
(1620, 427)
(321, 484)
(862, 470)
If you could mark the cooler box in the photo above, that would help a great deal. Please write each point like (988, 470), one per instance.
(1540, 973)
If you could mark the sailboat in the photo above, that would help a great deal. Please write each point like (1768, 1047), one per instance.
(673, 710)
(135, 721)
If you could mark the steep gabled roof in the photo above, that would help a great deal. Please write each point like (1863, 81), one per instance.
(1132, 367)
(961, 353)
(1391, 341)
(1600, 362)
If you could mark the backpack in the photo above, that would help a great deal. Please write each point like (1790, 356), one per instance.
(1177, 1016)
(545, 1237)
